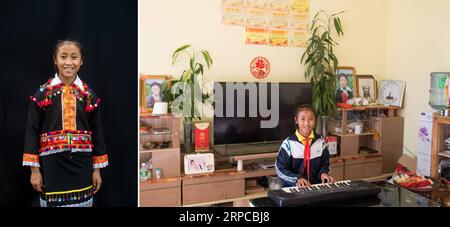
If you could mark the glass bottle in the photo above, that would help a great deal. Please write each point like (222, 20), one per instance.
(143, 172)
(158, 173)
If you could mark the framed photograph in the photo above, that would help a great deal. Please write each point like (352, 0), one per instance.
(345, 84)
(391, 92)
(150, 90)
(367, 87)
(199, 163)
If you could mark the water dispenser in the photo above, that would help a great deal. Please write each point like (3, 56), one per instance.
(439, 90)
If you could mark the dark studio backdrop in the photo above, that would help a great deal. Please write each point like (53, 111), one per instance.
(108, 31)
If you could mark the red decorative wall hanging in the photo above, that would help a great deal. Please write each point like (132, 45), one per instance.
(260, 67)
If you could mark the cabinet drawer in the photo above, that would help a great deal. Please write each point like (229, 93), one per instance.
(362, 160)
(362, 170)
(220, 190)
(166, 197)
(337, 173)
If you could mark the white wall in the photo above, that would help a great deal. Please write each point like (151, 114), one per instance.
(166, 25)
(391, 39)
(418, 44)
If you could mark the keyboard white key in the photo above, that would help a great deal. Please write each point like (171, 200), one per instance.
(318, 187)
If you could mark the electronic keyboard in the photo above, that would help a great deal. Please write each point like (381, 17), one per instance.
(320, 193)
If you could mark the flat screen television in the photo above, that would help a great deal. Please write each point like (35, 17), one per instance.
(229, 128)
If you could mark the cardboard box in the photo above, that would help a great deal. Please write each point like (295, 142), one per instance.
(408, 162)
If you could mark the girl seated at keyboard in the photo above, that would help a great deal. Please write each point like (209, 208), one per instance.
(303, 158)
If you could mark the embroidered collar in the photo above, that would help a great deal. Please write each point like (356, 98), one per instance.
(78, 82)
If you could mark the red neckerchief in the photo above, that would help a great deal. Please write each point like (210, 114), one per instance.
(306, 154)
(307, 158)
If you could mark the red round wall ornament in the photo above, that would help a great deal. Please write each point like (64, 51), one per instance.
(260, 67)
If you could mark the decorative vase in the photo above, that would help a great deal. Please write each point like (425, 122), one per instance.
(188, 127)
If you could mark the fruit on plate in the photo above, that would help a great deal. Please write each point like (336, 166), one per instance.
(344, 105)
(144, 128)
(412, 181)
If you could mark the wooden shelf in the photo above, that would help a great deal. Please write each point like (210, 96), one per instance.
(373, 107)
(164, 182)
(441, 131)
(365, 120)
(259, 173)
(441, 119)
(256, 156)
(336, 160)
(353, 134)
(160, 116)
(167, 159)
(361, 156)
(444, 154)
(221, 173)
(159, 150)
(161, 180)
(245, 198)
(154, 134)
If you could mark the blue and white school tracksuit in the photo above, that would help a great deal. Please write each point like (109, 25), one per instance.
(290, 160)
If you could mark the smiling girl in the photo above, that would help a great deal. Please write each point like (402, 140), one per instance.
(303, 158)
(64, 144)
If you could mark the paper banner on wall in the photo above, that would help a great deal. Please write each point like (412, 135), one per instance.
(269, 22)
(278, 19)
(300, 6)
(256, 17)
(257, 4)
(255, 35)
(299, 23)
(298, 38)
(256, 22)
(233, 12)
(279, 5)
(278, 23)
(278, 37)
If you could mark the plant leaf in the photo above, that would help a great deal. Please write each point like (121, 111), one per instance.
(186, 75)
(192, 64)
(178, 51)
(199, 70)
(207, 58)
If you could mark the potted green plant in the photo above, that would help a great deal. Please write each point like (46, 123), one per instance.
(321, 62)
(186, 92)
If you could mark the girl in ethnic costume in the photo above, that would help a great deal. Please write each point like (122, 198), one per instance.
(64, 142)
